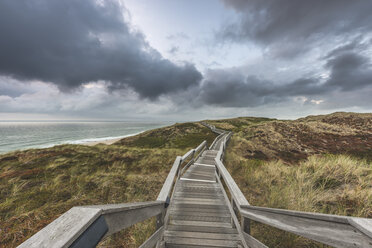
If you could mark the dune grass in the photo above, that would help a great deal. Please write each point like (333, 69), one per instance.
(317, 164)
(38, 185)
(331, 184)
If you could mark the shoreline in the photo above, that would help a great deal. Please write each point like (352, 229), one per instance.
(106, 141)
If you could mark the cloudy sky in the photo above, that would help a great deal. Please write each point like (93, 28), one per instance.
(183, 60)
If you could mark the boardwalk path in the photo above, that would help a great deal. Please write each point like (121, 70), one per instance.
(199, 214)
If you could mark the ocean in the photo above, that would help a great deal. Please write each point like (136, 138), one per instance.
(24, 135)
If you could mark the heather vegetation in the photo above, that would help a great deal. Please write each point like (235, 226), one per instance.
(316, 164)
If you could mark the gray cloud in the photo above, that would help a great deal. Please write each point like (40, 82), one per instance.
(288, 28)
(72, 42)
(173, 50)
(348, 69)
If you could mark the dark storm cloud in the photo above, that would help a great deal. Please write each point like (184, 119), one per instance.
(73, 42)
(349, 71)
(290, 27)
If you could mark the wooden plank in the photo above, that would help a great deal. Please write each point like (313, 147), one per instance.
(327, 231)
(233, 216)
(187, 155)
(199, 223)
(151, 242)
(63, 231)
(167, 186)
(252, 242)
(202, 229)
(201, 146)
(194, 212)
(238, 196)
(199, 235)
(201, 242)
(208, 165)
(182, 216)
(197, 180)
(362, 224)
(201, 206)
(126, 217)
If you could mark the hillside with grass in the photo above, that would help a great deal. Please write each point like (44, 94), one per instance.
(38, 185)
(317, 164)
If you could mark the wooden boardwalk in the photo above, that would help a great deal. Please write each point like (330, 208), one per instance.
(199, 214)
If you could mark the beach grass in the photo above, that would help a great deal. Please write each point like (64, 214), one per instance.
(315, 164)
(38, 185)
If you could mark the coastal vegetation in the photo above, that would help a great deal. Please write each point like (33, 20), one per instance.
(317, 164)
(38, 185)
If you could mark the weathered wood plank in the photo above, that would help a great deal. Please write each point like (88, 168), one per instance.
(73, 224)
(201, 242)
(119, 220)
(202, 229)
(328, 230)
(167, 186)
(151, 242)
(252, 242)
(188, 154)
(64, 230)
(238, 196)
(199, 223)
(185, 234)
(201, 146)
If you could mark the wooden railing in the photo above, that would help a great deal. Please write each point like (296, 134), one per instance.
(85, 226)
(334, 230)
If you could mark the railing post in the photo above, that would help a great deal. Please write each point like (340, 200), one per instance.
(246, 225)
(179, 170)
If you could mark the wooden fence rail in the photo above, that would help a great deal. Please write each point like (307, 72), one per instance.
(85, 226)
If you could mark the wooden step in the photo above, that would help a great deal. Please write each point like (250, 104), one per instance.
(200, 218)
(202, 229)
(198, 223)
(199, 235)
(194, 212)
(169, 241)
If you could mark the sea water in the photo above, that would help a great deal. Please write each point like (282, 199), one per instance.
(24, 135)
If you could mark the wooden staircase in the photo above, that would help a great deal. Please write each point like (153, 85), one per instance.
(199, 215)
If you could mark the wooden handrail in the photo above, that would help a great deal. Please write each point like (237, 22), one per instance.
(164, 194)
(235, 191)
(85, 226)
(167, 186)
(334, 230)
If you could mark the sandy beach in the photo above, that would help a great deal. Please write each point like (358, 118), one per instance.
(106, 142)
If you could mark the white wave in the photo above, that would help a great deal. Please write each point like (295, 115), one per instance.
(83, 141)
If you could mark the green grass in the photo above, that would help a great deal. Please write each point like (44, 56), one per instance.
(316, 164)
(38, 185)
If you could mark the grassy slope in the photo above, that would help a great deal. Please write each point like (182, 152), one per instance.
(288, 164)
(38, 185)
